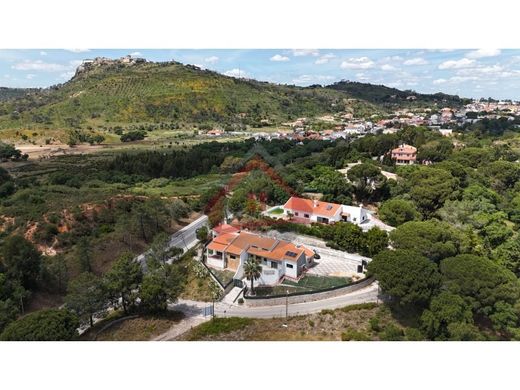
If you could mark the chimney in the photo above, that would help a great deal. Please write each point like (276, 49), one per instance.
(315, 203)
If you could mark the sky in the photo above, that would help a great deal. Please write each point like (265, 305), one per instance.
(466, 72)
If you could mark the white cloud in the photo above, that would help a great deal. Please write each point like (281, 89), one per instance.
(30, 76)
(324, 59)
(357, 63)
(43, 53)
(305, 52)
(136, 54)
(279, 58)
(309, 79)
(78, 50)
(67, 75)
(439, 81)
(211, 60)
(388, 67)
(457, 64)
(39, 65)
(361, 76)
(235, 72)
(480, 53)
(416, 61)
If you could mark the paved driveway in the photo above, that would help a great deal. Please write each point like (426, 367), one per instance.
(332, 262)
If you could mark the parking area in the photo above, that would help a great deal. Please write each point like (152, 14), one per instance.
(332, 262)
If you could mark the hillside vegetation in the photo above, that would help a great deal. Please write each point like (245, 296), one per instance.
(162, 92)
(387, 97)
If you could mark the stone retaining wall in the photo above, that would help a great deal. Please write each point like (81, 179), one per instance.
(308, 297)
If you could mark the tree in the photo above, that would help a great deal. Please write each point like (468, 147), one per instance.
(346, 236)
(481, 282)
(22, 261)
(87, 296)
(84, 254)
(43, 325)
(433, 239)
(508, 255)
(124, 279)
(374, 241)
(445, 309)
(202, 234)
(428, 187)
(406, 275)
(435, 150)
(396, 211)
(56, 273)
(160, 286)
(252, 271)
(12, 295)
(367, 179)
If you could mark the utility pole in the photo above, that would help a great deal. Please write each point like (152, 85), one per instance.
(286, 308)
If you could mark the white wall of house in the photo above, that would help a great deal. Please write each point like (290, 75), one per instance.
(215, 260)
(270, 276)
(357, 215)
(291, 269)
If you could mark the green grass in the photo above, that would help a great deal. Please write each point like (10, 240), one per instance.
(307, 283)
(219, 326)
(312, 282)
(224, 276)
(276, 211)
(187, 187)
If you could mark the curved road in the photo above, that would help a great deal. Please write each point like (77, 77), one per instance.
(364, 295)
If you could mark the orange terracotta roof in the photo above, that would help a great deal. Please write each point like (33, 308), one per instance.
(254, 244)
(225, 228)
(405, 149)
(216, 246)
(312, 206)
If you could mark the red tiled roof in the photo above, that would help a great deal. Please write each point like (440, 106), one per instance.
(312, 206)
(225, 228)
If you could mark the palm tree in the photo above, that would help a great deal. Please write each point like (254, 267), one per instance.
(252, 270)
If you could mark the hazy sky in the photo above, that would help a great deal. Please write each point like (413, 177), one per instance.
(469, 73)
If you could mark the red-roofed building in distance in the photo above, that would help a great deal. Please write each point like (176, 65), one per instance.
(405, 154)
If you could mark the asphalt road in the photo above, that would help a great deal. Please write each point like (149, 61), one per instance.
(185, 238)
(364, 295)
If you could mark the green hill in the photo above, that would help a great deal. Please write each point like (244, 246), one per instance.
(157, 92)
(392, 98)
(107, 93)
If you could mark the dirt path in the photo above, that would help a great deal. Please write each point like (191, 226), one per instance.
(193, 317)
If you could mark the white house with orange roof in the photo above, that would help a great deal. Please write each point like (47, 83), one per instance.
(278, 258)
(310, 210)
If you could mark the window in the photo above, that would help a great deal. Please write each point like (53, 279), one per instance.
(210, 251)
(296, 213)
(274, 264)
(306, 215)
(289, 265)
(232, 257)
(291, 254)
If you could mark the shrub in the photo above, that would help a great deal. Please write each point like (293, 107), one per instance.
(353, 335)
(240, 301)
(391, 333)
